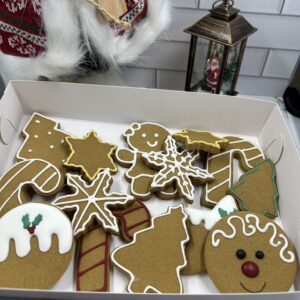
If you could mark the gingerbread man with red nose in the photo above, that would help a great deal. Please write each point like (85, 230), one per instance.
(248, 253)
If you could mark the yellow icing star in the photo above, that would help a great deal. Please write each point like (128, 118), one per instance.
(90, 155)
(201, 140)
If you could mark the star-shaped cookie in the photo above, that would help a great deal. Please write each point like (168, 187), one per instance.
(201, 140)
(90, 155)
(176, 167)
(92, 202)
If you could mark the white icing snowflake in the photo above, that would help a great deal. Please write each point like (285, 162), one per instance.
(176, 167)
(21, 45)
(14, 5)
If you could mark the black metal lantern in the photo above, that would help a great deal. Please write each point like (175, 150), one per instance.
(226, 32)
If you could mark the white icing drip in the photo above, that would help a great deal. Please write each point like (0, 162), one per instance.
(289, 257)
(53, 222)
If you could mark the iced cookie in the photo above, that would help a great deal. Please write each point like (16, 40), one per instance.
(92, 202)
(41, 250)
(42, 177)
(44, 140)
(195, 140)
(256, 191)
(176, 168)
(221, 167)
(249, 253)
(143, 138)
(132, 219)
(199, 224)
(90, 155)
(93, 265)
(154, 259)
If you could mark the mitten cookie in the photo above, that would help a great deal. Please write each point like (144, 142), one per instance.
(143, 138)
(44, 178)
(93, 261)
(176, 168)
(90, 155)
(44, 140)
(42, 246)
(92, 202)
(154, 259)
(221, 167)
(248, 253)
(256, 191)
(132, 219)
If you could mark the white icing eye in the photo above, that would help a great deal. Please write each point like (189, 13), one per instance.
(49, 133)
(29, 150)
(156, 135)
(37, 121)
(62, 141)
(51, 147)
(144, 135)
(36, 136)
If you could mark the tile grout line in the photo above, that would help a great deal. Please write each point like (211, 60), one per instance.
(265, 63)
(282, 7)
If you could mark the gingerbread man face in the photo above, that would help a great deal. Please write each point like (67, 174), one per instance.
(146, 137)
(248, 253)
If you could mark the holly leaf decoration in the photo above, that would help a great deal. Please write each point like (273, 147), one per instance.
(26, 221)
(37, 220)
(223, 213)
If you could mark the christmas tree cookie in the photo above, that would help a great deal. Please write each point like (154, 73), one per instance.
(42, 246)
(155, 257)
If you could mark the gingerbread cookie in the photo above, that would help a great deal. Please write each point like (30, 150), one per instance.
(44, 178)
(176, 167)
(195, 140)
(44, 140)
(221, 167)
(90, 155)
(155, 257)
(248, 253)
(143, 138)
(92, 202)
(256, 191)
(132, 219)
(199, 224)
(41, 250)
(93, 263)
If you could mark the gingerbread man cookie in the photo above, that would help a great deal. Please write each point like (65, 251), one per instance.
(221, 167)
(155, 257)
(42, 249)
(176, 167)
(90, 155)
(143, 138)
(248, 253)
(44, 178)
(92, 202)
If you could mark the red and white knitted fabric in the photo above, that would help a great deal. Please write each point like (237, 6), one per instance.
(21, 28)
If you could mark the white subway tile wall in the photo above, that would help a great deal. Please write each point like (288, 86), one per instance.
(270, 57)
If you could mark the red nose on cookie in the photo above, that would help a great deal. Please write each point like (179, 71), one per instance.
(250, 269)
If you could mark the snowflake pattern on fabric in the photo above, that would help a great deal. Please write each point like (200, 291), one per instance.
(176, 167)
(37, 7)
(14, 5)
(21, 45)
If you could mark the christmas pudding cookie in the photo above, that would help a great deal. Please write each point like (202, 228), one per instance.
(36, 174)
(221, 167)
(143, 138)
(249, 253)
(155, 257)
(90, 155)
(41, 247)
(176, 168)
(92, 202)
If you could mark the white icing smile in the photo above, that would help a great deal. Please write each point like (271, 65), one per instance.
(152, 145)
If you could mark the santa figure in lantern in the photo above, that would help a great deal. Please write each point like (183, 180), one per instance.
(213, 73)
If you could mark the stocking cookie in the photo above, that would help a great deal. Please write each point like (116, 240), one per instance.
(44, 178)
(143, 138)
(248, 253)
(256, 191)
(155, 257)
(93, 261)
(92, 202)
(90, 155)
(221, 167)
(195, 140)
(132, 219)
(44, 140)
(176, 167)
(42, 249)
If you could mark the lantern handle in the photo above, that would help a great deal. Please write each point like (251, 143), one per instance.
(227, 3)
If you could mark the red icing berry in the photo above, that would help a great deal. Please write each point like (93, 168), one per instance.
(250, 269)
(31, 229)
